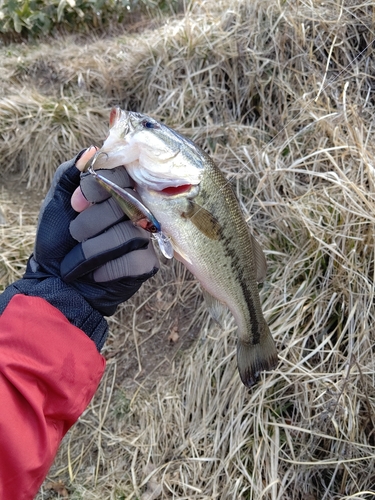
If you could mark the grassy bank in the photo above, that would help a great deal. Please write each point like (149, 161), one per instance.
(282, 96)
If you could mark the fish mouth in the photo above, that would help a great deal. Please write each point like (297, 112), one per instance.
(150, 153)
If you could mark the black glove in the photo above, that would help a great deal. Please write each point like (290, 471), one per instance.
(113, 257)
(88, 279)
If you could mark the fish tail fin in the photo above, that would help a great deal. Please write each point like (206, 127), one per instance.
(254, 358)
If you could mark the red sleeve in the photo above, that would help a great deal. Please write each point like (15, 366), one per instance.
(49, 371)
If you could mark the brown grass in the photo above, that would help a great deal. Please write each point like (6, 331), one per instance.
(282, 95)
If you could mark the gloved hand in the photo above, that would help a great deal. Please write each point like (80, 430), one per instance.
(112, 257)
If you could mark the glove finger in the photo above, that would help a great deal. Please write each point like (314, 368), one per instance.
(66, 178)
(96, 193)
(141, 263)
(96, 219)
(95, 252)
(56, 213)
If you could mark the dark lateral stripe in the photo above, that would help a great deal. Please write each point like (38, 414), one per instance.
(246, 291)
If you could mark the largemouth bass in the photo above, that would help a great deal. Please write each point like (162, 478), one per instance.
(197, 209)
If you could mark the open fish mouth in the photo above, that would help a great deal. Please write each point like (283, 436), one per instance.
(155, 155)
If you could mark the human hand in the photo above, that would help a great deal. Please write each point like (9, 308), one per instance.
(112, 259)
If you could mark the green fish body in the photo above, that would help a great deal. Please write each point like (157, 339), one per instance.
(197, 209)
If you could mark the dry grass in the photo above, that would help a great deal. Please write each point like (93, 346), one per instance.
(282, 95)
(17, 232)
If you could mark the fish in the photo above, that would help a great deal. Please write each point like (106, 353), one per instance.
(197, 210)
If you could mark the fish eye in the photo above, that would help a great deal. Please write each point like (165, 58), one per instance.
(148, 124)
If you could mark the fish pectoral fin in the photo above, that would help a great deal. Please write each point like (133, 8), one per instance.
(179, 254)
(260, 260)
(214, 306)
(202, 220)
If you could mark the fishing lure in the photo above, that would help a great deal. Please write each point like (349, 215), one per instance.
(137, 212)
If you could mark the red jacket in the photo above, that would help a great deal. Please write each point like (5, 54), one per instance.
(49, 371)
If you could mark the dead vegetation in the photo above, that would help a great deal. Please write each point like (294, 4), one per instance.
(282, 95)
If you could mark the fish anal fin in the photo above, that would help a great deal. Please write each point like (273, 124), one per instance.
(203, 220)
(214, 306)
(260, 260)
(255, 358)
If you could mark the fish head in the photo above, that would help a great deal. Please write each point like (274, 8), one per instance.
(155, 156)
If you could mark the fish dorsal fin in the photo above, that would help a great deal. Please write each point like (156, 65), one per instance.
(203, 220)
(259, 259)
(215, 308)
